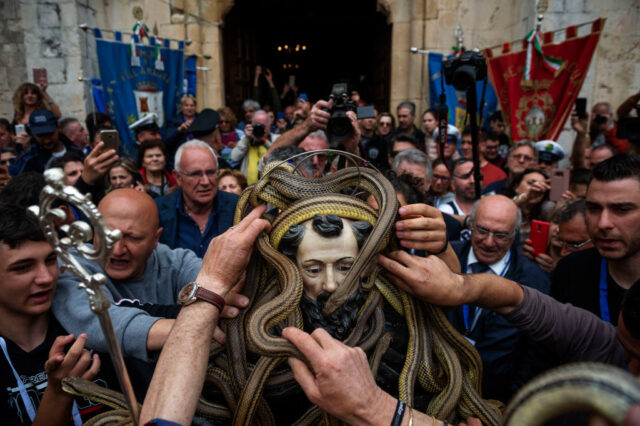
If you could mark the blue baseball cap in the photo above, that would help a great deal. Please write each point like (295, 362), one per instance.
(304, 97)
(42, 121)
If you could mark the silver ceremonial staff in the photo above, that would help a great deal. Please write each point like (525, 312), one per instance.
(77, 234)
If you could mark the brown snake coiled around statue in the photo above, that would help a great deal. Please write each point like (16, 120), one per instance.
(257, 329)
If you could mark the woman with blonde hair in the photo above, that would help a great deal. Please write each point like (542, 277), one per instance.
(30, 97)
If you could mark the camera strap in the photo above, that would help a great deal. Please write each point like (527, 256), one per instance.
(443, 118)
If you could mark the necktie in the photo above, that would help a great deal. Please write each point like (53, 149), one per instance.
(479, 268)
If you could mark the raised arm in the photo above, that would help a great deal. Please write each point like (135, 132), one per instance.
(431, 280)
(317, 119)
(179, 376)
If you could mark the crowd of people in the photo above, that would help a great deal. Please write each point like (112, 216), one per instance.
(531, 280)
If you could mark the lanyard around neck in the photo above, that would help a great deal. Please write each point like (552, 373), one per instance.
(604, 301)
(476, 316)
(24, 395)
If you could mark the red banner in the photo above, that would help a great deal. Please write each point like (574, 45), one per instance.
(539, 110)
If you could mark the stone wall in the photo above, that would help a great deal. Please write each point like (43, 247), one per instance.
(45, 34)
(36, 33)
(614, 73)
(13, 69)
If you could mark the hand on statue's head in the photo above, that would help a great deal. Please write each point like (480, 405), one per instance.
(228, 254)
(421, 227)
(427, 278)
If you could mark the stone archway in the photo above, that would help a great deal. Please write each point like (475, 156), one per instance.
(344, 42)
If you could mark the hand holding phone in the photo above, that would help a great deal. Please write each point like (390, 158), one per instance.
(559, 183)
(539, 236)
(581, 107)
(110, 139)
(19, 128)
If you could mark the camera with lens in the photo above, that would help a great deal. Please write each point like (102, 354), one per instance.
(600, 119)
(258, 134)
(463, 71)
(339, 125)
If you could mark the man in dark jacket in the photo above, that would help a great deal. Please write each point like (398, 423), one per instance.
(196, 213)
(48, 145)
(507, 357)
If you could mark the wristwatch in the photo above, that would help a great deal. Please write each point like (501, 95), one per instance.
(194, 291)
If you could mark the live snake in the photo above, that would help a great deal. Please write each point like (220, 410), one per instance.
(439, 359)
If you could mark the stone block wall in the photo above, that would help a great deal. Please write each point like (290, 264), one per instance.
(45, 34)
(13, 69)
(35, 33)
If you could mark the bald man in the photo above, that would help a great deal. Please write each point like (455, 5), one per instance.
(144, 278)
(503, 348)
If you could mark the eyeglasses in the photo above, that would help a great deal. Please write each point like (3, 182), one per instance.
(196, 174)
(384, 124)
(442, 178)
(573, 246)
(500, 237)
(521, 157)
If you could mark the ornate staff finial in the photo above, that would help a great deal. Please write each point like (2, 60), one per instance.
(541, 8)
(77, 234)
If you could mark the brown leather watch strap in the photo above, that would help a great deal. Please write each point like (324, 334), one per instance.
(211, 297)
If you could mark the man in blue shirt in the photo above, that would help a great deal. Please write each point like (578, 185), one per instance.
(505, 352)
(196, 213)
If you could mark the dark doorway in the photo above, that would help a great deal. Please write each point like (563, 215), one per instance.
(320, 43)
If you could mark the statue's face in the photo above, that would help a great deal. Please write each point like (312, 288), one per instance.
(324, 262)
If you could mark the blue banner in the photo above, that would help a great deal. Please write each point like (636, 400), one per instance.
(456, 100)
(131, 92)
(98, 95)
(190, 75)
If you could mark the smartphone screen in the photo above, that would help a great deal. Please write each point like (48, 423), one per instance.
(581, 107)
(110, 139)
(19, 128)
(559, 183)
(539, 236)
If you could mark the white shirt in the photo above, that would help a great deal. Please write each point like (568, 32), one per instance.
(446, 208)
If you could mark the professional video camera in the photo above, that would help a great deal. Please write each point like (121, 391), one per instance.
(463, 71)
(339, 125)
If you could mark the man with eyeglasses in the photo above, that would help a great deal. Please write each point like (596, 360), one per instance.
(572, 229)
(440, 186)
(196, 213)
(508, 359)
(597, 279)
(522, 156)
